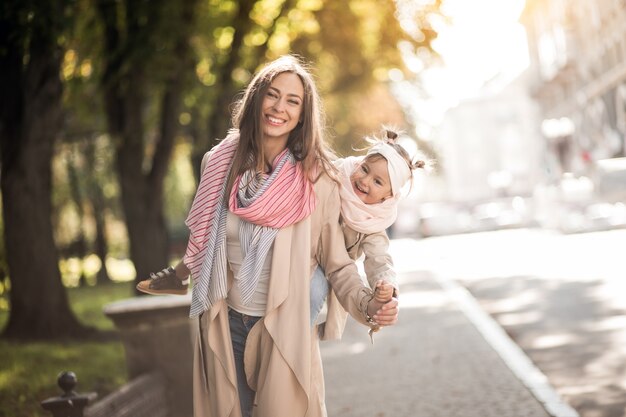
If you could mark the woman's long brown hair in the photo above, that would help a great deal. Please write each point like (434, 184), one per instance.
(306, 141)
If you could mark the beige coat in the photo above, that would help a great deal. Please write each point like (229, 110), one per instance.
(377, 262)
(282, 356)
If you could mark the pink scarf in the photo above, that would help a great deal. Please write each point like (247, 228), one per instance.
(364, 218)
(282, 199)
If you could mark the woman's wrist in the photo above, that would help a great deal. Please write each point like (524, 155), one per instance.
(371, 309)
(364, 306)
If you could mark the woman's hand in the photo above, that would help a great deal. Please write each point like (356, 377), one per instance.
(385, 314)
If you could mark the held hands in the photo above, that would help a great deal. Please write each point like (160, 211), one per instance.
(383, 308)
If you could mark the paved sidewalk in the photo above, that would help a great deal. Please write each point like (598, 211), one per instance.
(444, 358)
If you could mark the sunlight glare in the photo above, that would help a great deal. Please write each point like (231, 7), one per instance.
(483, 40)
(553, 340)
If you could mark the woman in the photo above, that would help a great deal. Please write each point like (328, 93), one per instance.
(265, 214)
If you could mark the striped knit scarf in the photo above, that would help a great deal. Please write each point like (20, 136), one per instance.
(265, 204)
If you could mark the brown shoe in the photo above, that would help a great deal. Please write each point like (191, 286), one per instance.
(163, 282)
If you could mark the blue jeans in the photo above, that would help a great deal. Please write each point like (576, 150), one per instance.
(240, 325)
(319, 291)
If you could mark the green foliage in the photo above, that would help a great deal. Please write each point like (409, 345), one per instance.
(356, 50)
(93, 159)
(180, 187)
(28, 371)
(81, 70)
(3, 258)
(87, 302)
(353, 46)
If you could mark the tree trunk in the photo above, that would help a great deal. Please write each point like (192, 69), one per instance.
(219, 120)
(98, 205)
(100, 245)
(142, 203)
(80, 243)
(125, 97)
(30, 117)
(141, 196)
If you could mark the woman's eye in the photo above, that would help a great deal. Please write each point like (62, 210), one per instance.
(294, 102)
(272, 95)
(377, 182)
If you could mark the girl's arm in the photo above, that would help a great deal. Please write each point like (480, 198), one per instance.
(378, 263)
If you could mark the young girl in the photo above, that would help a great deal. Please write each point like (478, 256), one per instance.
(370, 191)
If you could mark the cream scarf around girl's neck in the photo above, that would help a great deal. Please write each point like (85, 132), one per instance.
(363, 218)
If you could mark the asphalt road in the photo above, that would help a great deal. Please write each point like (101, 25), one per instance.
(561, 298)
(434, 363)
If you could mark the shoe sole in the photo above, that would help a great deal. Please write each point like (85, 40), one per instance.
(161, 292)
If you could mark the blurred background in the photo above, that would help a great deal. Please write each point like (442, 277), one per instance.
(108, 106)
(527, 119)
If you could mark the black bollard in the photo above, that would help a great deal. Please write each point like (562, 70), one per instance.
(70, 404)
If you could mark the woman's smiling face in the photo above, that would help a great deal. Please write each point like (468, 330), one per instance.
(282, 106)
(370, 181)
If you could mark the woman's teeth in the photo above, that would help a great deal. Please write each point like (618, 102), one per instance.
(275, 121)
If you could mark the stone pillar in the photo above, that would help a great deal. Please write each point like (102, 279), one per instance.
(157, 335)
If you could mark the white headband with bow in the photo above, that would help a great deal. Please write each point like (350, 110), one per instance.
(399, 172)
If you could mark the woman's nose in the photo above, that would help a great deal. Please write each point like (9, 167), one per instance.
(279, 105)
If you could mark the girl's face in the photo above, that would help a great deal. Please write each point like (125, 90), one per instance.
(370, 181)
(282, 106)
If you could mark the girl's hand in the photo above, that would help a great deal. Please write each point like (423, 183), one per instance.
(383, 291)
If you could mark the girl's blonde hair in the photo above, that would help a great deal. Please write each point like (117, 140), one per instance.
(390, 137)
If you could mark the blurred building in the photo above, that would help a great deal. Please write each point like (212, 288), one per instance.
(491, 156)
(578, 76)
(491, 145)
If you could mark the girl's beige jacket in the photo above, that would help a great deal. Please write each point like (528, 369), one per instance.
(282, 356)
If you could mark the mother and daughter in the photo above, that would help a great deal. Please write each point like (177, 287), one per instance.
(274, 222)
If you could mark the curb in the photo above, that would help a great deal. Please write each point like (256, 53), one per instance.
(512, 355)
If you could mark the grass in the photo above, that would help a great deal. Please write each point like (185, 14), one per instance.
(28, 371)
